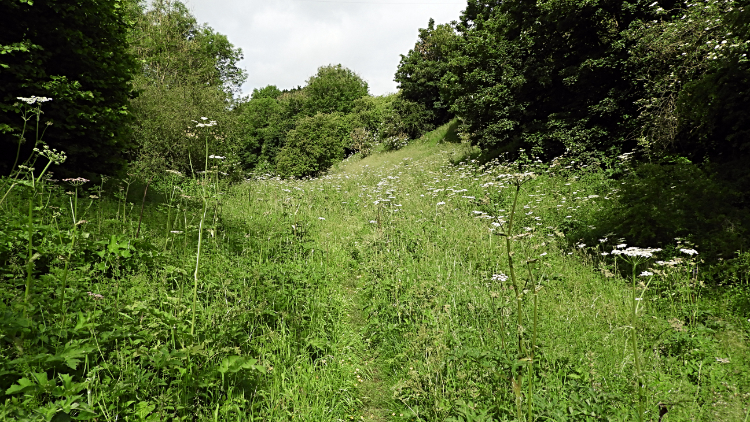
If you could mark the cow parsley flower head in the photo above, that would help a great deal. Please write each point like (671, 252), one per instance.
(34, 99)
(634, 252)
(689, 251)
(499, 277)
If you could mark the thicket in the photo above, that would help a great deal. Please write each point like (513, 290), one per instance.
(76, 54)
(666, 80)
(187, 71)
(302, 132)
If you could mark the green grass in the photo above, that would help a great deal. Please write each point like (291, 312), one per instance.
(365, 294)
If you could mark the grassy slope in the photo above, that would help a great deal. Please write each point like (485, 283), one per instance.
(367, 294)
(424, 323)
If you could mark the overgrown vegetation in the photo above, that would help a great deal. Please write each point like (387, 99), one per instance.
(572, 246)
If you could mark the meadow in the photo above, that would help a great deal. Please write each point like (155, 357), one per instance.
(410, 285)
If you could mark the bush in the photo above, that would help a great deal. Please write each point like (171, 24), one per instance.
(314, 145)
(406, 118)
(362, 141)
(658, 203)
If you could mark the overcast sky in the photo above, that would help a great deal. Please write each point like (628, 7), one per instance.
(285, 41)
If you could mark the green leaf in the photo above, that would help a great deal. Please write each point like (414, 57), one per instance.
(234, 364)
(24, 385)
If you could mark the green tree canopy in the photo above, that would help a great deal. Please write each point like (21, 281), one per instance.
(77, 54)
(547, 76)
(188, 71)
(333, 89)
(270, 91)
(421, 70)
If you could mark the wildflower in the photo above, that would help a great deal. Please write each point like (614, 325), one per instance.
(34, 99)
(216, 157)
(499, 277)
(321, 218)
(373, 222)
(689, 251)
(175, 172)
(621, 245)
(604, 253)
(543, 254)
(636, 252)
(96, 296)
(603, 240)
(78, 181)
(176, 231)
(441, 203)
(646, 274)
(93, 197)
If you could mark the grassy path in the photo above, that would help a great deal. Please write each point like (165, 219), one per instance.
(418, 321)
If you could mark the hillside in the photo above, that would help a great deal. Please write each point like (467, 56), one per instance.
(379, 291)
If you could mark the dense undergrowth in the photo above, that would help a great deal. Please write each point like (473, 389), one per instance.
(380, 291)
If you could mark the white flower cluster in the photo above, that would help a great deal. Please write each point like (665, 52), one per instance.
(499, 277)
(689, 251)
(34, 99)
(636, 252)
(209, 124)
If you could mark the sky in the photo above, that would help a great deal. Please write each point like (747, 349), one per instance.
(285, 41)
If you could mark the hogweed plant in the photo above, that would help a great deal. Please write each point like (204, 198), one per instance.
(204, 199)
(517, 180)
(636, 256)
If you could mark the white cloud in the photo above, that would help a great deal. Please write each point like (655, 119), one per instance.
(285, 41)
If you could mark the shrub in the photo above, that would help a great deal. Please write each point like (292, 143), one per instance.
(660, 202)
(362, 141)
(314, 145)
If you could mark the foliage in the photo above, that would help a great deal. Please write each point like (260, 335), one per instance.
(546, 77)
(657, 203)
(87, 76)
(712, 105)
(333, 89)
(270, 91)
(420, 72)
(188, 71)
(405, 118)
(263, 124)
(314, 145)
(673, 57)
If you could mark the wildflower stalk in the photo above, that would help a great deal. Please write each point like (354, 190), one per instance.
(30, 258)
(509, 253)
(143, 204)
(204, 197)
(635, 256)
(197, 265)
(634, 342)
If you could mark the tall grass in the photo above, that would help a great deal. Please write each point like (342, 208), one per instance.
(371, 293)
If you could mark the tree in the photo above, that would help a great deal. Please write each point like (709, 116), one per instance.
(188, 71)
(77, 54)
(421, 70)
(270, 91)
(314, 145)
(333, 89)
(548, 77)
(263, 128)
